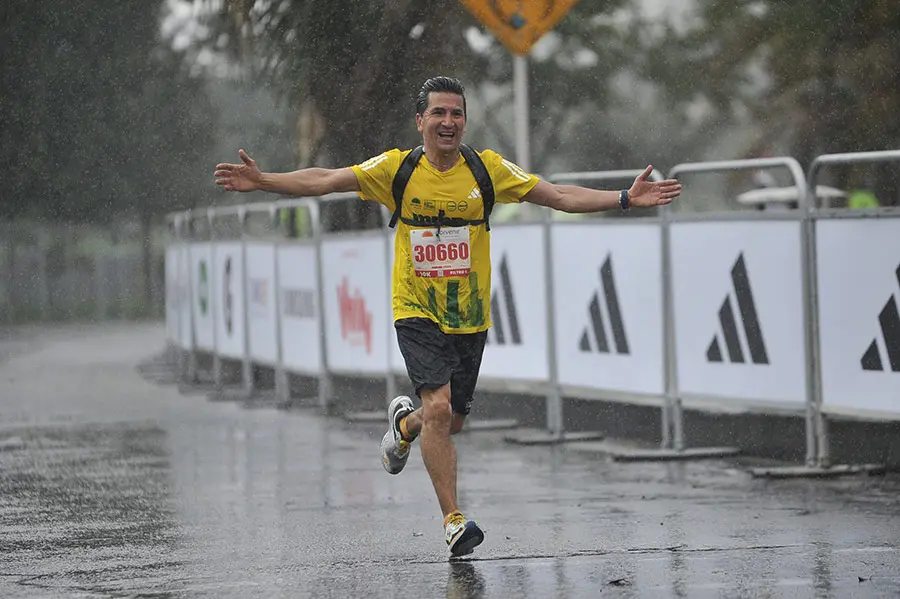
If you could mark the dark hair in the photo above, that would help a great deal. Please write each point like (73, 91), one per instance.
(439, 84)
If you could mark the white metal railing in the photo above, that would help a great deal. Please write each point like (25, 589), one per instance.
(733, 312)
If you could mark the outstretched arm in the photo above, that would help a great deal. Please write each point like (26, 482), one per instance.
(304, 182)
(572, 198)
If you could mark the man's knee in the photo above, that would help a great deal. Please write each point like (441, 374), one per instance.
(436, 406)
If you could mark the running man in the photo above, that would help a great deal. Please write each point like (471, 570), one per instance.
(442, 267)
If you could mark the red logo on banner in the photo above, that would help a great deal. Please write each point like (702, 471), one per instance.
(356, 321)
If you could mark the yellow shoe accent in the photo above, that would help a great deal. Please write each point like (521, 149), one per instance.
(404, 431)
(454, 517)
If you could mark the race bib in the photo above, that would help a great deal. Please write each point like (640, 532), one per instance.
(444, 254)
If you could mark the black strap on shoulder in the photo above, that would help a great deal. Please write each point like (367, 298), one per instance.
(473, 160)
(402, 178)
(482, 178)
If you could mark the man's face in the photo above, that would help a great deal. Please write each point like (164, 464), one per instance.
(444, 122)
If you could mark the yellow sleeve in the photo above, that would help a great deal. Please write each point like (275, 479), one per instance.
(510, 181)
(376, 175)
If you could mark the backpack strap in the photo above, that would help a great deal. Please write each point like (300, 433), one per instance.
(475, 164)
(401, 178)
(482, 178)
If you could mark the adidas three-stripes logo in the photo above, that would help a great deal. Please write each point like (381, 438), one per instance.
(729, 323)
(594, 338)
(889, 319)
(504, 316)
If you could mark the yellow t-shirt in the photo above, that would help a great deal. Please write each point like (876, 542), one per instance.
(444, 275)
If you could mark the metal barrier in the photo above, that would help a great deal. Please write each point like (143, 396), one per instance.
(856, 284)
(716, 338)
(572, 367)
(732, 306)
(298, 270)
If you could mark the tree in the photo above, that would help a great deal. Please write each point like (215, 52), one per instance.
(100, 120)
(815, 77)
(354, 68)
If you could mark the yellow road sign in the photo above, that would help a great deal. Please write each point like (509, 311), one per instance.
(519, 23)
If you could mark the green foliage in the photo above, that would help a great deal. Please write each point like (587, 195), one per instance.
(817, 76)
(354, 68)
(100, 120)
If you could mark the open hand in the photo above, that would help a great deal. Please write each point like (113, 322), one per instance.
(645, 193)
(239, 177)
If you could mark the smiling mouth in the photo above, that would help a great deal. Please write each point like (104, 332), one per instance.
(448, 135)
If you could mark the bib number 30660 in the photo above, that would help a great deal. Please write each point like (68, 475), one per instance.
(444, 255)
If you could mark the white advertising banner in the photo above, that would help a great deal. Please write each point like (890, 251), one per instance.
(356, 290)
(262, 322)
(859, 314)
(185, 328)
(298, 278)
(608, 310)
(202, 301)
(517, 341)
(227, 281)
(738, 303)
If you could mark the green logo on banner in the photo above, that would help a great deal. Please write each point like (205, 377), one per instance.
(203, 288)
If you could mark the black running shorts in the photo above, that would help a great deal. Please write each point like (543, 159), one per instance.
(434, 358)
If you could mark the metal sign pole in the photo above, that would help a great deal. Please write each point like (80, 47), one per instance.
(520, 86)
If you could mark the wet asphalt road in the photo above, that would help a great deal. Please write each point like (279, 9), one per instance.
(115, 486)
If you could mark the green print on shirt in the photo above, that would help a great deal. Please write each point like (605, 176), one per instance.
(432, 303)
(475, 316)
(452, 317)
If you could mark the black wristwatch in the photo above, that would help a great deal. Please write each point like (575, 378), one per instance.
(624, 200)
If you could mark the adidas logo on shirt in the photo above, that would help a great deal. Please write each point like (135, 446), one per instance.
(475, 193)
(373, 162)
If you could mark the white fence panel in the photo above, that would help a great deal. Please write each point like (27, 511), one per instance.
(262, 321)
(517, 341)
(299, 280)
(608, 306)
(395, 357)
(227, 281)
(859, 325)
(356, 279)
(738, 303)
(201, 300)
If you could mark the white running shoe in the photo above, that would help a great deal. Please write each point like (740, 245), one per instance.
(394, 450)
(462, 535)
